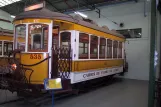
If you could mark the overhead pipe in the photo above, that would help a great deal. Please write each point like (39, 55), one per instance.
(145, 14)
(4, 20)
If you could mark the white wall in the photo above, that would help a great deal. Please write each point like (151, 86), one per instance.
(132, 15)
(6, 16)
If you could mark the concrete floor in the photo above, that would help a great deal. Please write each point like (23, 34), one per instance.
(122, 93)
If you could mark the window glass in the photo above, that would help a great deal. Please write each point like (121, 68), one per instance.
(94, 47)
(109, 48)
(120, 50)
(83, 45)
(38, 37)
(0, 47)
(115, 47)
(8, 47)
(20, 38)
(65, 39)
(102, 47)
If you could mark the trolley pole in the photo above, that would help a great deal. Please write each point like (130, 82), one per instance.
(152, 72)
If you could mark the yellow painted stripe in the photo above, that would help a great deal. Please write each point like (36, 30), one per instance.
(9, 38)
(32, 21)
(65, 25)
(95, 64)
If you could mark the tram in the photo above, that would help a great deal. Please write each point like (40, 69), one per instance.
(56, 45)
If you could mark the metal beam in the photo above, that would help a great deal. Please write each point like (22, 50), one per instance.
(52, 5)
(83, 5)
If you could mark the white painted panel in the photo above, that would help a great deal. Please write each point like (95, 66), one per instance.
(92, 74)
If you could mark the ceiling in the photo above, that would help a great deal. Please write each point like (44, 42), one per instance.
(64, 6)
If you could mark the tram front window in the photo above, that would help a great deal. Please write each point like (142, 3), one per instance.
(38, 37)
(36, 41)
(20, 37)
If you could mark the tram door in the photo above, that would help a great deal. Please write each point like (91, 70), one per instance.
(55, 46)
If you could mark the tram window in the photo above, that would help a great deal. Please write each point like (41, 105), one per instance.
(21, 46)
(102, 48)
(0, 47)
(20, 37)
(65, 39)
(55, 37)
(38, 37)
(8, 47)
(109, 48)
(83, 45)
(115, 47)
(94, 47)
(120, 50)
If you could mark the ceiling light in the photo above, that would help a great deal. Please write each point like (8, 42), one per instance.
(81, 14)
(7, 2)
(13, 16)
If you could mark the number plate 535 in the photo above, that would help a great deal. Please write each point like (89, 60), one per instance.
(35, 56)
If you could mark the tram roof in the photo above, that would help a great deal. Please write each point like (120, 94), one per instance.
(45, 13)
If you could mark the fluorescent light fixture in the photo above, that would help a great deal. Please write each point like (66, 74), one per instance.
(81, 14)
(13, 16)
(7, 2)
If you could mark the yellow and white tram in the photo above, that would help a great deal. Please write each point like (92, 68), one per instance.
(6, 45)
(96, 51)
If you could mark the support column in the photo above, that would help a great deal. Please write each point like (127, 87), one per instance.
(152, 68)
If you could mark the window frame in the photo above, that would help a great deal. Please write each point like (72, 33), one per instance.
(60, 41)
(111, 46)
(116, 49)
(15, 42)
(8, 42)
(34, 50)
(54, 45)
(120, 56)
(1, 42)
(88, 46)
(97, 57)
(103, 57)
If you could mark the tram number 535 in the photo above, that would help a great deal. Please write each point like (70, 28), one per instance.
(35, 56)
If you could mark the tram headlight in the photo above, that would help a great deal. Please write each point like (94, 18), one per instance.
(13, 66)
